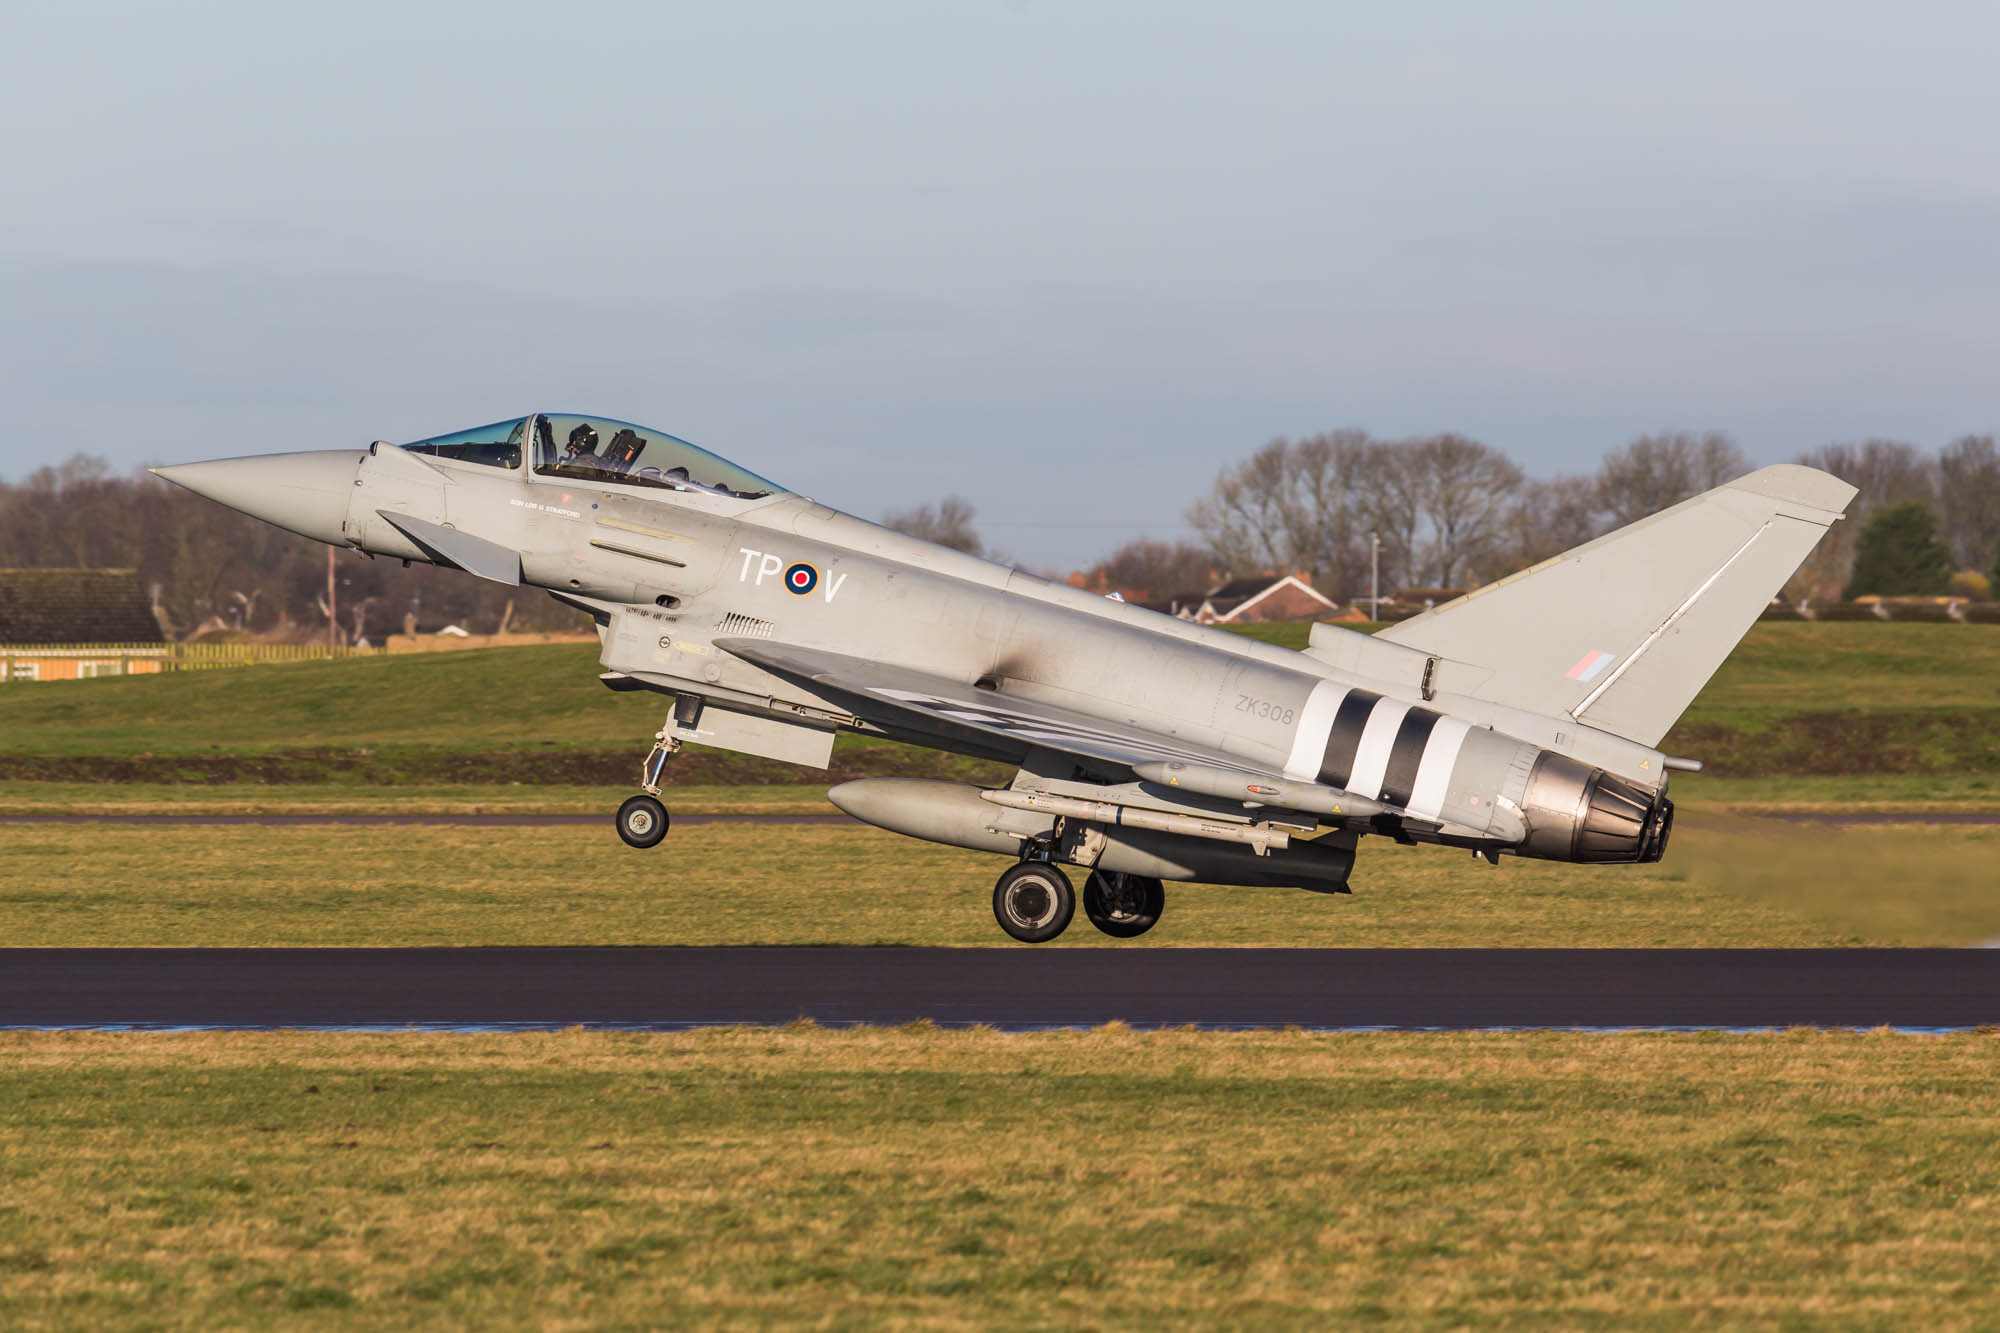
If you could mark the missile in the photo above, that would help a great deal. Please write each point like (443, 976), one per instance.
(1131, 816)
(962, 815)
(1254, 789)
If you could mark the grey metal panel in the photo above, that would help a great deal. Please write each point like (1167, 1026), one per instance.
(880, 688)
(1656, 684)
(767, 737)
(390, 478)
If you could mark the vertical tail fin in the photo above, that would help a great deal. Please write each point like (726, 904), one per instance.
(1622, 632)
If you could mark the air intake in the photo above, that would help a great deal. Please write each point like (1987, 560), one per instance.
(736, 625)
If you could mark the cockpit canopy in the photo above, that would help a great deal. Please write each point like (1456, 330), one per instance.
(599, 449)
(497, 445)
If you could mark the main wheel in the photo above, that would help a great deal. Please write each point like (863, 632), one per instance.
(642, 821)
(1123, 906)
(1033, 902)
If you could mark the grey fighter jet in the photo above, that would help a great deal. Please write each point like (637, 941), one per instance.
(1522, 719)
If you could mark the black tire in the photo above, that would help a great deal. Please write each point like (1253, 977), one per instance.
(1033, 902)
(1123, 906)
(642, 821)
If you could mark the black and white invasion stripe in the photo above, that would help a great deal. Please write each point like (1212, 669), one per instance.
(1383, 749)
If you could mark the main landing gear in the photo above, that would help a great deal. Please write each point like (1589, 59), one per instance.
(1033, 902)
(1123, 906)
(642, 820)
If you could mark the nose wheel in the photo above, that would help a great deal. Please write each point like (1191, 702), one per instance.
(642, 821)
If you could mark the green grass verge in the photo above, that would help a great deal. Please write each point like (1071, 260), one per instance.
(913, 1178)
(341, 798)
(1910, 793)
(534, 699)
(1856, 667)
(1938, 793)
(494, 698)
(1726, 883)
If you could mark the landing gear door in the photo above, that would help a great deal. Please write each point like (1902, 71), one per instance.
(713, 707)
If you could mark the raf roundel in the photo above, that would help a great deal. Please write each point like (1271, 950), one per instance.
(801, 579)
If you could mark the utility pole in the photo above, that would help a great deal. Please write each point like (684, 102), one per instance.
(332, 611)
(1374, 575)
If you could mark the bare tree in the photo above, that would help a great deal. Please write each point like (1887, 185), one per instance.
(1439, 506)
(1656, 471)
(1545, 519)
(1884, 472)
(1465, 492)
(1328, 472)
(214, 566)
(1969, 500)
(1292, 505)
(948, 523)
(1392, 508)
(1247, 519)
(1158, 569)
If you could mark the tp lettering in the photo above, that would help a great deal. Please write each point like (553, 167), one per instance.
(768, 565)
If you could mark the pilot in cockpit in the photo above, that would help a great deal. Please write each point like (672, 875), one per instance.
(581, 451)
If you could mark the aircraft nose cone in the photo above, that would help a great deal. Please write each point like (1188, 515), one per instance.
(305, 493)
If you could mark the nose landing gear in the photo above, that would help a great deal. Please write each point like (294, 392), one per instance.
(642, 820)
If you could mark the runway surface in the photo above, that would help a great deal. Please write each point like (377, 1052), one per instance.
(1019, 987)
(475, 820)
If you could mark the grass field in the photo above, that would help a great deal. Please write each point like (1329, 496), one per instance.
(916, 1178)
(1912, 793)
(1728, 883)
(972, 1180)
(25, 798)
(1873, 700)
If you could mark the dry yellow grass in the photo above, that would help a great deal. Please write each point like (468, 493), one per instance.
(337, 798)
(872, 1178)
(1697, 793)
(1740, 884)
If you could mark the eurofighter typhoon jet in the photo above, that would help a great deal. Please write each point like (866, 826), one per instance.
(1521, 719)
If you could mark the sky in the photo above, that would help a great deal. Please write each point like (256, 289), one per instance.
(1067, 260)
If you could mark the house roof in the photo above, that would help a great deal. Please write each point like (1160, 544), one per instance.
(75, 606)
(1237, 589)
(1232, 599)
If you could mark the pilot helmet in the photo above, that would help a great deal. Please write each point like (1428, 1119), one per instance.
(582, 440)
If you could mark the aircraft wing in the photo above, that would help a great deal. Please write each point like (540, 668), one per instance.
(897, 696)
